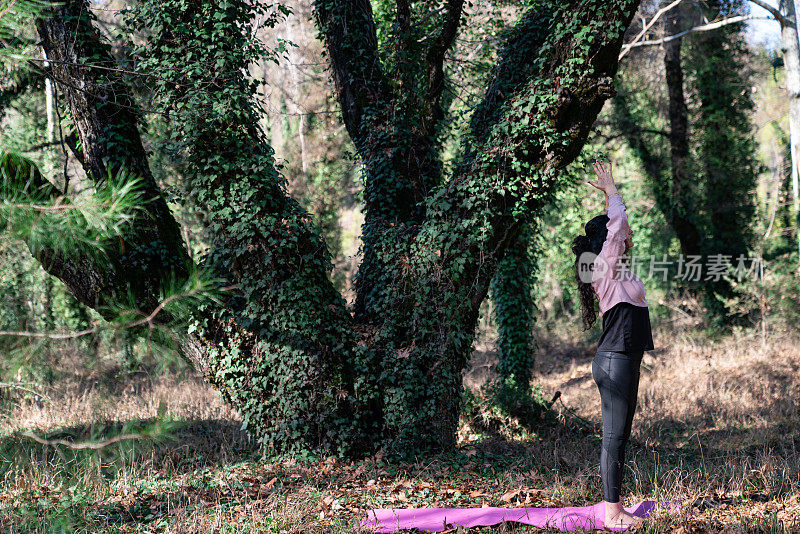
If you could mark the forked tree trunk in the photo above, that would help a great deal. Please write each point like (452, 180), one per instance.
(286, 352)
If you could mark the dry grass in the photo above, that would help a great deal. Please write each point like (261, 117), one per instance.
(716, 429)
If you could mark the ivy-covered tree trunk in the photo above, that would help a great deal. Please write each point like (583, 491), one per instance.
(512, 294)
(305, 372)
(514, 309)
(391, 108)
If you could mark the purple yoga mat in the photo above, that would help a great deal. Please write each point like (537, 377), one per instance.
(438, 519)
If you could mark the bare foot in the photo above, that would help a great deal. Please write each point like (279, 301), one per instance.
(618, 518)
(621, 519)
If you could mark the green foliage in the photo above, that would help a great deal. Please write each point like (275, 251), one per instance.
(527, 404)
(33, 210)
(725, 161)
(716, 199)
(25, 119)
(635, 112)
(513, 297)
(79, 228)
(768, 295)
(13, 15)
(304, 381)
(780, 226)
(15, 29)
(83, 476)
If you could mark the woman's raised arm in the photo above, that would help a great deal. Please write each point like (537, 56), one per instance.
(618, 228)
(618, 232)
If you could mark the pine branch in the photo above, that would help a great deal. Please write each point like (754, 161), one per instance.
(83, 444)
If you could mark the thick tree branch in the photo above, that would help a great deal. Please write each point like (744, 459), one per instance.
(405, 45)
(435, 60)
(349, 31)
(106, 122)
(571, 114)
(774, 12)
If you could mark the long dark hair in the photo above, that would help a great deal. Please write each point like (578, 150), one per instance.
(596, 233)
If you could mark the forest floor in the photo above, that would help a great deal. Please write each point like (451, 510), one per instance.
(716, 427)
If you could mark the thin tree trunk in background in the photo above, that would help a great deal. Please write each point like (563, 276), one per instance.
(48, 99)
(294, 57)
(51, 123)
(790, 46)
(680, 209)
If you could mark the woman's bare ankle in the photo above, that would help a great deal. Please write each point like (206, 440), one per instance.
(613, 509)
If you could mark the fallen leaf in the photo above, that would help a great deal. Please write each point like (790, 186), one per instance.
(507, 497)
(403, 484)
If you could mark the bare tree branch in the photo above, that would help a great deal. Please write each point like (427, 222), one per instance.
(627, 133)
(774, 12)
(148, 320)
(646, 26)
(704, 27)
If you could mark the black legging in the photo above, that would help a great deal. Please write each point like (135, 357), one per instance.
(617, 378)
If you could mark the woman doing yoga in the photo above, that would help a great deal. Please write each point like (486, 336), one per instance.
(602, 275)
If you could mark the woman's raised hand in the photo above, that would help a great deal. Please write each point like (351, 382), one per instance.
(605, 181)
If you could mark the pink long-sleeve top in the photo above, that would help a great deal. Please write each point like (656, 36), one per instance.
(612, 281)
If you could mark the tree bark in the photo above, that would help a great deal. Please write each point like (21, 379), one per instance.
(790, 46)
(680, 209)
(105, 117)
